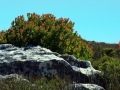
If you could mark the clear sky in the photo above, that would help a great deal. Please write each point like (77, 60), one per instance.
(97, 20)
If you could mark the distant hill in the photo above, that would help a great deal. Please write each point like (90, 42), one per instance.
(98, 46)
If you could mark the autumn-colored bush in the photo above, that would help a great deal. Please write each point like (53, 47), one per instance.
(2, 37)
(49, 32)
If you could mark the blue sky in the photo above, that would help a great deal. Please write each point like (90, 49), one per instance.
(97, 20)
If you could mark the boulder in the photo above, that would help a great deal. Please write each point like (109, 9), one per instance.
(38, 61)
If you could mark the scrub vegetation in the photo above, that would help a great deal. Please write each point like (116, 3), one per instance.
(59, 36)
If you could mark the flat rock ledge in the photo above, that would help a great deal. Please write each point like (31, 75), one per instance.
(41, 61)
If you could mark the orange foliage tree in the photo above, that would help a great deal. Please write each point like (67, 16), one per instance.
(119, 44)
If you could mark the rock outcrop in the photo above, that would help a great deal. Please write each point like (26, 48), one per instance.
(41, 61)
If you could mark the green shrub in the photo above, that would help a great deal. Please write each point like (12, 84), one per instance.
(109, 52)
(111, 68)
(49, 32)
(37, 84)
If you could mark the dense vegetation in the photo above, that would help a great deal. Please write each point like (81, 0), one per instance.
(55, 34)
(58, 35)
(106, 58)
(37, 83)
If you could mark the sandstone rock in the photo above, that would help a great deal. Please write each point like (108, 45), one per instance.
(41, 61)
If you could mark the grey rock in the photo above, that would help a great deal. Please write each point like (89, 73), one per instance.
(41, 61)
(81, 86)
(14, 77)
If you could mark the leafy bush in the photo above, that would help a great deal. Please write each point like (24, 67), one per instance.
(109, 52)
(49, 32)
(111, 68)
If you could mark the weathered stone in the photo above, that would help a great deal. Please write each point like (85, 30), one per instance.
(80, 86)
(41, 61)
(14, 77)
